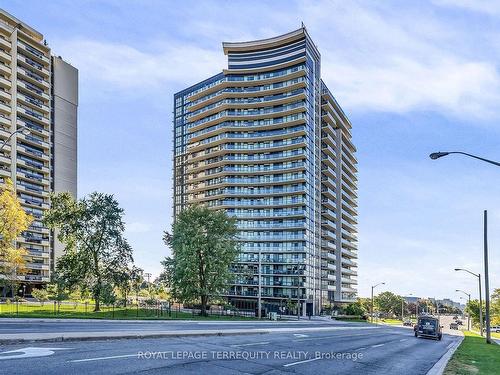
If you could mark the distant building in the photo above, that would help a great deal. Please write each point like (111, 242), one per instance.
(38, 95)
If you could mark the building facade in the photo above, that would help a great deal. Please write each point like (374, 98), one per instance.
(38, 111)
(266, 141)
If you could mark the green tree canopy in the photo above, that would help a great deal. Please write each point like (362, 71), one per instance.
(356, 308)
(388, 303)
(472, 309)
(95, 250)
(204, 245)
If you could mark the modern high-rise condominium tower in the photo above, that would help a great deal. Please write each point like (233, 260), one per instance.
(38, 133)
(266, 141)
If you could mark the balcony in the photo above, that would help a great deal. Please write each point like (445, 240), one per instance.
(37, 266)
(5, 83)
(33, 78)
(5, 57)
(31, 64)
(37, 253)
(33, 53)
(43, 279)
(5, 109)
(5, 44)
(5, 69)
(33, 90)
(4, 171)
(34, 103)
(32, 152)
(32, 115)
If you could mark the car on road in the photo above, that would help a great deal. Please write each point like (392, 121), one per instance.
(428, 326)
(495, 329)
(459, 322)
(453, 326)
(407, 323)
(455, 317)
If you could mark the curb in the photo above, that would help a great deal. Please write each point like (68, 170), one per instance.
(86, 336)
(440, 365)
(64, 338)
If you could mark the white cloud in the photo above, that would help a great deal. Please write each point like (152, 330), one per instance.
(375, 58)
(126, 67)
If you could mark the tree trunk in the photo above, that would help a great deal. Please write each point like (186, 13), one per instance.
(204, 300)
(97, 301)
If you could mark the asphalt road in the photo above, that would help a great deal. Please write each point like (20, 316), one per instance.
(363, 350)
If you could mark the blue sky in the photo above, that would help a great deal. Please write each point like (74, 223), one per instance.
(413, 79)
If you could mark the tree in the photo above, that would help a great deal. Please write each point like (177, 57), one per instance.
(472, 309)
(203, 244)
(92, 231)
(14, 265)
(13, 221)
(388, 303)
(41, 295)
(495, 307)
(355, 308)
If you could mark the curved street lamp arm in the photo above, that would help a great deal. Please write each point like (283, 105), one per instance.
(463, 269)
(10, 137)
(476, 157)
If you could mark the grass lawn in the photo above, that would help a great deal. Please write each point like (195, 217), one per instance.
(474, 356)
(80, 311)
(391, 321)
(352, 320)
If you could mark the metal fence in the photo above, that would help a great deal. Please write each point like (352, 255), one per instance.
(142, 310)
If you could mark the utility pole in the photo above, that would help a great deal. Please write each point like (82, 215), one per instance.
(298, 291)
(259, 304)
(486, 278)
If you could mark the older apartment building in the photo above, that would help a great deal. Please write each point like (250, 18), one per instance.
(38, 132)
(266, 141)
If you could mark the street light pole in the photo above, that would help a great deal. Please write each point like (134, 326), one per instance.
(373, 287)
(480, 297)
(259, 301)
(402, 307)
(468, 318)
(486, 279)
(437, 155)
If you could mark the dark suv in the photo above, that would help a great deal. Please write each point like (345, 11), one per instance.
(428, 326)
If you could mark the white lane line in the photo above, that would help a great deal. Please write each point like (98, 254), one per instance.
(376, 346)
(403, 340)
(298, 363)
(328, 337)
(250, 344)
(103, 358)
(358, 349)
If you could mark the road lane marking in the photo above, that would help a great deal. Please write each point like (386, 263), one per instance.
(378, 345)
(402, 340)
(358, 349)
(103, 358)
(250, 344)
(328, 337)
(298, 363)
(30, 352)
(300, 335)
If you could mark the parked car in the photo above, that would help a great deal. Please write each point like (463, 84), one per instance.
(407, 323)
(459, 322)
(495, 329)
(428, 326)
(453, 326)
(455, 317)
